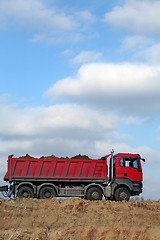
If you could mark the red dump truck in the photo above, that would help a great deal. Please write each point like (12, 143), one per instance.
(87, 178)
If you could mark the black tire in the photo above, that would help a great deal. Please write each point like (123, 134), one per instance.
(47, 192)
(25, 192)
(94, 193)
(122, 194)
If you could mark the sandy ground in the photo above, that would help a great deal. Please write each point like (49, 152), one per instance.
(78, 219)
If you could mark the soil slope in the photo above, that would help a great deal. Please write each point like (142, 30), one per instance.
(78, 219)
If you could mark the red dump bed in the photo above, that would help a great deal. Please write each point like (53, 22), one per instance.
(34, 169)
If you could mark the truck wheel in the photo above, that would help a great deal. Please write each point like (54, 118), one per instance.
(94, 193)
(47, 193)
(25, 192)
(122, 194)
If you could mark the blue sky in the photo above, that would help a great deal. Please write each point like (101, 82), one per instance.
(81, 77)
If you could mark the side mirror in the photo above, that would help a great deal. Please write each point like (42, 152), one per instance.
(143, 159)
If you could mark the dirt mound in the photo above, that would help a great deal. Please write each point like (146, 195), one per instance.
(48, 157)
(26, 156)
(79, 156)
(78, 219)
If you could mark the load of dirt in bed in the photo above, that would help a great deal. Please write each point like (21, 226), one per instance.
(79, 156)
(26, 156)
(78, 219)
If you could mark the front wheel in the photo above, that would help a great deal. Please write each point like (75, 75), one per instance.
(121, 194)
(94, 193)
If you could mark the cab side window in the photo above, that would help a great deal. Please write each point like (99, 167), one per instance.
(127, 162)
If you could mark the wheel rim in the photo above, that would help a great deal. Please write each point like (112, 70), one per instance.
(25, 194)
(123, 195)
(47, 194)
(95, 195)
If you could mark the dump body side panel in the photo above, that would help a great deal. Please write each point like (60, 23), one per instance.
(34, 169)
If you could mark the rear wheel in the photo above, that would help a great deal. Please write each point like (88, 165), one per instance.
(47, 192)
(122, 194)
(25, 192)
(94, 193)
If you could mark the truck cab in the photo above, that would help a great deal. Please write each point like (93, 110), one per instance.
(125, 178)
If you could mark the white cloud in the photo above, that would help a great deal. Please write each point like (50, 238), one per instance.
(86, 56)
(132, 120)
(35, 15)
(151, 188)
(52, 38)
(86, 16)
(46, 23)
(135, 43)
(137, 16)
(67, 53)
(127, 87)
(142, 47)
(62, 122)
(142, 18)
(152, 54)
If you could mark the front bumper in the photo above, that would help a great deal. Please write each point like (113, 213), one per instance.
(137, 187)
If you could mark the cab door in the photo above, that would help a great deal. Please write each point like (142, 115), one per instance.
(128, 167)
